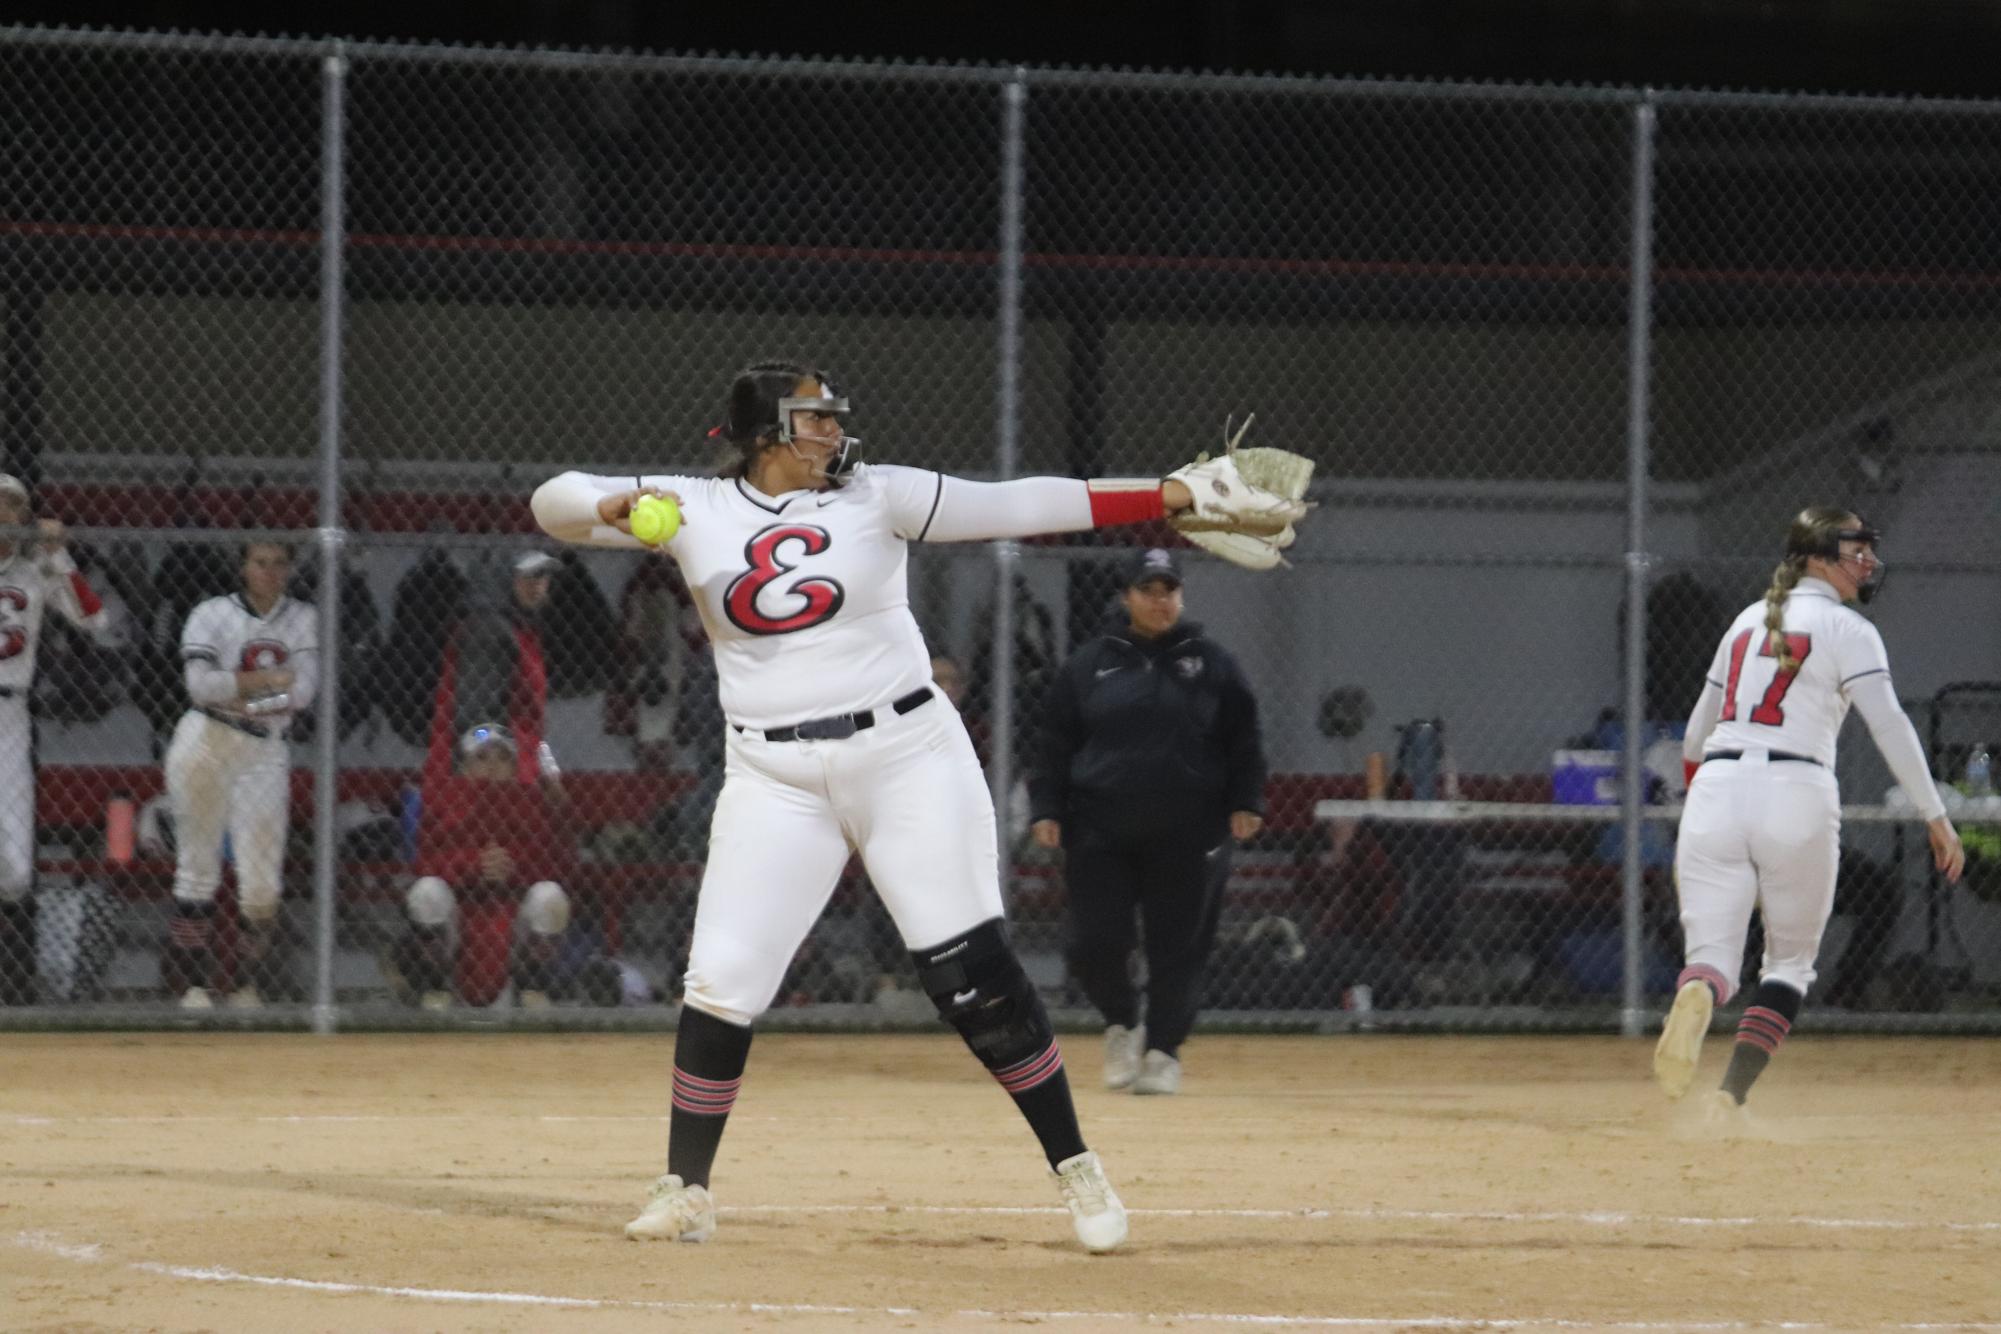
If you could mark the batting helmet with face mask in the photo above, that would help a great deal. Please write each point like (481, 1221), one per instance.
(762, 401)
(1824, 540)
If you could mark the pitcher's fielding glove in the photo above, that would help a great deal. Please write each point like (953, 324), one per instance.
(1245, 549)
(1245, 502)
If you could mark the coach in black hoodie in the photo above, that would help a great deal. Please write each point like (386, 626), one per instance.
(1150, 766)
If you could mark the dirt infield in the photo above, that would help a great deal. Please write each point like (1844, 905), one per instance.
(480, 1182)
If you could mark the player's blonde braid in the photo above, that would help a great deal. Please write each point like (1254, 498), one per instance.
(1809, 536)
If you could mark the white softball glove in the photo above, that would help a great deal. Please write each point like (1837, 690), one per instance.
(1246, 549)
(1256, 493)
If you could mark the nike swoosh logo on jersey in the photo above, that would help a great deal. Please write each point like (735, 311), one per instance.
(961, 997)
(1106, 671)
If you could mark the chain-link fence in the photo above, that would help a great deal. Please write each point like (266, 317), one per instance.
(1568, 362)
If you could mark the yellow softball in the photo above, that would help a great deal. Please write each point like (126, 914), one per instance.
(655, 519)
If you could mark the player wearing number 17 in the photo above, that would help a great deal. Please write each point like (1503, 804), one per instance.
(838, 741)
(1762, 826)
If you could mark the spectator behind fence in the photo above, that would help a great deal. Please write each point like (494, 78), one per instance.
(29, 585)
(250, 662)
(360, 641)
(488, 907)
(1150, 765)
(659, 633)
(495, 670)
(955, 686)
(1034, 661)
(430, 601)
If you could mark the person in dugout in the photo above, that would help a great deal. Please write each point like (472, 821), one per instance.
(488, 907)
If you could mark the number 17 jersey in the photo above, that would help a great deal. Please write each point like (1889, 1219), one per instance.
(1797, 711)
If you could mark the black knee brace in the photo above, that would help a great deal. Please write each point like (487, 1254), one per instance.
(979, 987)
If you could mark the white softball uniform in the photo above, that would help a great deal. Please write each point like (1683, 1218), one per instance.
(805, 597)
(29, 585)
(230, 768)
(1762, 824)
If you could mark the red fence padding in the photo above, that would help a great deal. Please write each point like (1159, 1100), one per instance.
(76, 794)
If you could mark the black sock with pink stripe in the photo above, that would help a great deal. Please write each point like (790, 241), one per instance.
(1041, 1089)
(1768, 1017)
(188, 959)
(709, 1056)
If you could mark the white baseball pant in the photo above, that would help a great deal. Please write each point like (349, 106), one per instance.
(908, 794)
(1763, 833)
(219, 777)
(17, 800)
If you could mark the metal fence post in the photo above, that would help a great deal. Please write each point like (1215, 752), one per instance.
(1007, 456)
(333, 297)
(1638, 367)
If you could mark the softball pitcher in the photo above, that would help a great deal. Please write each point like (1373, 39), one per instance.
(29, 585)
(250, 661)
(837, 740)
(1762, 825)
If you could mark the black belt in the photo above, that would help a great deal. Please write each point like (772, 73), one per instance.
(231, 720)
(843, 726)
(1770, 755)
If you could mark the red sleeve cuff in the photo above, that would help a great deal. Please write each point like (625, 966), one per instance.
(86, 596)
(1123, 501)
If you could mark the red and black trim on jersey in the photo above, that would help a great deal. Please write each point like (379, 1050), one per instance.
(743, 490)
(936, 496)
(86, 597)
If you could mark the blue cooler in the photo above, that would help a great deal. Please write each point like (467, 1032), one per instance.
(1585, 778)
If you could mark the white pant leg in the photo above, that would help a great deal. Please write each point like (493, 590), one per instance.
(260, 810)
(1797, 849)
(775, 854)
(17, 801)
(1715, 878)
(199, 773)
(913, 799)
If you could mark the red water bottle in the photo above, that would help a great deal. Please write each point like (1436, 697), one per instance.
(120, 824)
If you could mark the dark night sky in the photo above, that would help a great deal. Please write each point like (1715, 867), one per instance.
(1950, 47)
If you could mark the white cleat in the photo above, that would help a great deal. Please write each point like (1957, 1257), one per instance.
(674, 1212)
(1122, 1051)
(1680, 1047)
(197, 998)
(437, 1000)
(1158, 1073)
(1721, 1108)
(1095, 1210)
(246, 997)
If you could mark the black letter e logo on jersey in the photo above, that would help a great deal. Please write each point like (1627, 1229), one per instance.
(823, 596)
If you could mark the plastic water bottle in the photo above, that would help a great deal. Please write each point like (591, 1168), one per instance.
(1980, 773)
(1420, 755)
